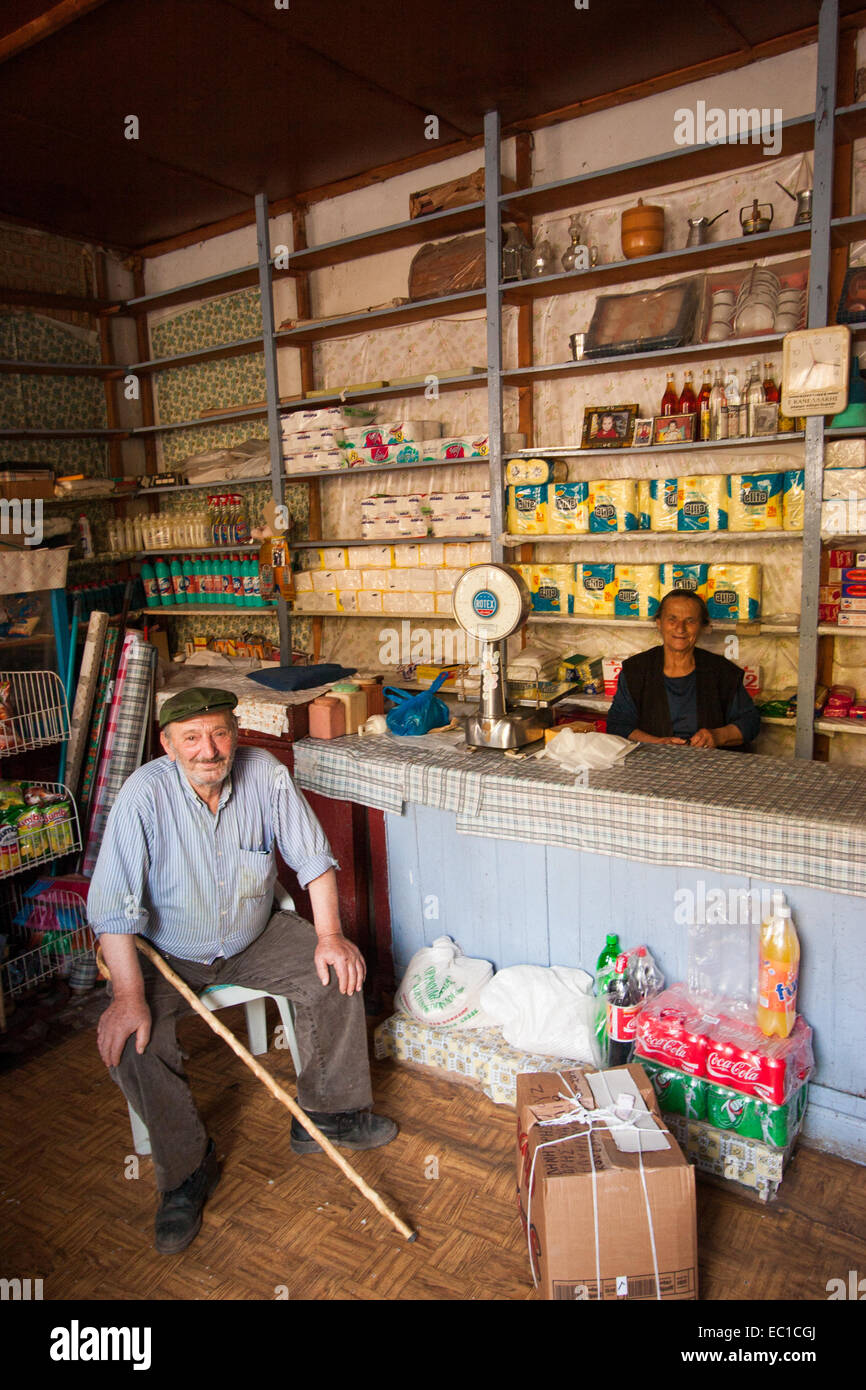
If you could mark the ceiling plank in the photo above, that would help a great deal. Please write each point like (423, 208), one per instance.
(51, 22)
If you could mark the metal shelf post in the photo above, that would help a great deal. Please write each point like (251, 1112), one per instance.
(272, 396)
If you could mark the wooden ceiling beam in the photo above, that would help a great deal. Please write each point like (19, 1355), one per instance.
(46, 24)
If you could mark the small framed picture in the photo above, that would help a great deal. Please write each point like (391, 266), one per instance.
(766, 418)
(608, 426)
(674, 429)
(643, 433)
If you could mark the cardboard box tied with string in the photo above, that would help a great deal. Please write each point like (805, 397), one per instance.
(606, 1197)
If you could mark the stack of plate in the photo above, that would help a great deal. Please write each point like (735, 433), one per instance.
(722, 316)
(756, 303)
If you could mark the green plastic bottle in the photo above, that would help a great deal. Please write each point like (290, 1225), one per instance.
(163, 580)
(248, 567)
(609, 953)
(605, 968)
(236, 568)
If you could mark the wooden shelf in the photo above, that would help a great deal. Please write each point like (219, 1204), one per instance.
(464, 382)
(755, 628)
(684, 261)
(66, 434)
(831, 630)
(368, 320)
(667, 537)
(362, 468)
(413, 232)
(404, 613)
(621, 362)
(576, 452)
(656, 171)
(113, 372)
(210, 609)
(393, 540)
(241, 347)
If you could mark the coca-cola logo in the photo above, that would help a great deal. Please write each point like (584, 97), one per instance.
(671, 1046)
(731, 1066)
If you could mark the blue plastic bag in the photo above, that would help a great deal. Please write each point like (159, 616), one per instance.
(417, 714)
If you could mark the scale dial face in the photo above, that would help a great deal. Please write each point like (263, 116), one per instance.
(490, 602)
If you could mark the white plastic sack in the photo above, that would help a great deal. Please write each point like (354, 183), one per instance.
(441, 987)
(575, 751)
(546, 1009)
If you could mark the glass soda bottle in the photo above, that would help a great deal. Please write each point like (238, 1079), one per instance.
(670, 399)
(703, 405)
(778, 971)
(688, 403)
(771, 390)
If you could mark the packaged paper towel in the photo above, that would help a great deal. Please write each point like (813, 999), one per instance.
(845, 482)
(702, 503)
(402, 432)
(845, 453)
(594, 590)
(684, 576)
(536, 470)
(734, 592)
(551, 587)
(637, 591)
(613, 505)
(663, 504)
(793, 494)
(568, 508)
(528, 509)
(756, 502)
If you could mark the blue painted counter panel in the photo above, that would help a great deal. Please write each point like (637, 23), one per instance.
(516, 903)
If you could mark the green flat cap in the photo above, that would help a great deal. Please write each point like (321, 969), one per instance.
(200, 699)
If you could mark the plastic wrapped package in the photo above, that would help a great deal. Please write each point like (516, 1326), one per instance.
(702, 503)
(612, 504)
(755, 502)
(447, 267)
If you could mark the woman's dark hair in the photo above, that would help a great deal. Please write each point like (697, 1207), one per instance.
(687, 593)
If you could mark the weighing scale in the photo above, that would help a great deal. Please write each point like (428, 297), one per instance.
(490, 602)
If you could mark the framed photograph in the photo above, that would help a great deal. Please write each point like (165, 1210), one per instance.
(767, 418)
(643, 433)
(608, 426)
(674, 429)
(852, 300)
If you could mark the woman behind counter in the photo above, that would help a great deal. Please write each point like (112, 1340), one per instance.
(680, 693)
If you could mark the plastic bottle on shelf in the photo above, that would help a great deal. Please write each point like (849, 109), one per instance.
(176, 571)
(258, 601)
(139, 533)
(228, 589)
(237, 581)
(163, 581)
(778, 971)
(189, 581)
(248, 568)
(128, 534)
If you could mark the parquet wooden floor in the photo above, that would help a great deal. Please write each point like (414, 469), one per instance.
(279, 1225)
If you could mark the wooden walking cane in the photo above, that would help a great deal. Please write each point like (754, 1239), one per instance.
(264, 1076)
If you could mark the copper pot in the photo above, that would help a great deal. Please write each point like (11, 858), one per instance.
(643, 230)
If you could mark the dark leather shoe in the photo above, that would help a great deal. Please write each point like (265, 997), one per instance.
(349, 1129)
(178, 1220)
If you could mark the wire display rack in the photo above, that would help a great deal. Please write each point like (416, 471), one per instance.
(47, 833)
(33, 711)
(47, 936)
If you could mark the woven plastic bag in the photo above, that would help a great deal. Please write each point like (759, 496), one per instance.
(441, 987)
(417, 714)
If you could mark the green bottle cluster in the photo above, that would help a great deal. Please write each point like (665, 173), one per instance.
(230, 581)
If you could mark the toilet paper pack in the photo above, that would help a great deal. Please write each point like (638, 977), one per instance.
(793, 496)
(594, 590)
(756, 502)
(551, 588)
(734, 592)
(528, 509)
(643, 504)
(568, 508)
(677, 575)
(536, 470)
(637, 591)
(702, 503)
(613, 505)
(664, 504)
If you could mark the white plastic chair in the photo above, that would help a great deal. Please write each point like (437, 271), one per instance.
(255, 1003)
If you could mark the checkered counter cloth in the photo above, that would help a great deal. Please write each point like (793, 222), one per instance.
(789, 821)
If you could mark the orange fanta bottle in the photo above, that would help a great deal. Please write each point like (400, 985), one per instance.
(778, 971)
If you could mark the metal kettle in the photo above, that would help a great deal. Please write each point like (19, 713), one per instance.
(699, 226)
(753, 219)
(803, 199)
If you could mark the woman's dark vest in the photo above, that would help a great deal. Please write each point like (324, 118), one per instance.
(717, 682)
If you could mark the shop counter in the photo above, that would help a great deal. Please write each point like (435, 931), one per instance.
(522, 862)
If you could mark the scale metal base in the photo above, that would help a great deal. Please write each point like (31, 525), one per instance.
(508, 730)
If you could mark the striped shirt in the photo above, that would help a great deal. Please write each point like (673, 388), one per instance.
(197, 884)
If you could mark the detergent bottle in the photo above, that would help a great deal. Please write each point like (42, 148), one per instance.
(778, 971)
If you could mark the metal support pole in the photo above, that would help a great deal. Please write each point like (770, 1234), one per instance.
(272, 396)
(819, 280)
(493, 271)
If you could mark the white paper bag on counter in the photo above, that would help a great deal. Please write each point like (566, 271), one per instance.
(545, 1009)
(441, 987)
(574, 751)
